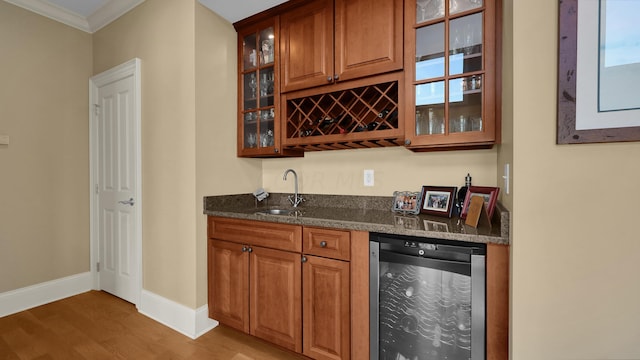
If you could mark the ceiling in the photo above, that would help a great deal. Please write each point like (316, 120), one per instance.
(92, 15)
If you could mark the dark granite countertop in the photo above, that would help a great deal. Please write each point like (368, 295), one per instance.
(365, 213)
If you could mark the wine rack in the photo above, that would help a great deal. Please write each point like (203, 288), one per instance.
(364, 116)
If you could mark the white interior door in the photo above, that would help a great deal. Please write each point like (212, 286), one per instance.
(116, 172)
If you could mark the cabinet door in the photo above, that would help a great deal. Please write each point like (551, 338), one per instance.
(451, 68)
(326, 304)
(258, 90)
(228, 283)
(276, 297)
(306, 46)
(368, 37)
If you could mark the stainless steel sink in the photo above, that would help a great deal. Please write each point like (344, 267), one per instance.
(275, 212)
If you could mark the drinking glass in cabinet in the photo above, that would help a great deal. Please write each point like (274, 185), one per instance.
(430, 51)
(266, 46)
(429, 9)
(250, 117)
(250, 86)
(250, 141)
(465, 104)
(457, 6)
(250, 54)
(465, 44)
(430, 120)
(266, 83)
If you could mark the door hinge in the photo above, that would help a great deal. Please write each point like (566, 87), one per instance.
(96, 109)
(98, 267)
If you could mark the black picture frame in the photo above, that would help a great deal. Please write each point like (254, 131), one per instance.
(438, 200)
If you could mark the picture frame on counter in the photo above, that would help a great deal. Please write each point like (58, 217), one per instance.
(488, 193)
(438, 200)
(406, 202)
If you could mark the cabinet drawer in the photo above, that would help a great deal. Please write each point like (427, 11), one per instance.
(329, 243)
(259, 233)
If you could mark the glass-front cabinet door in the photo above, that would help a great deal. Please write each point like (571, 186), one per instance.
(258, 92)
(450, 70)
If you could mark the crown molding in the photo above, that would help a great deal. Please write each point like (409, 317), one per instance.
(96, 21)
(110, 12)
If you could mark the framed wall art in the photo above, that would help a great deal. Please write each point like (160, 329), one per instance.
(598, 71)
(438, 200)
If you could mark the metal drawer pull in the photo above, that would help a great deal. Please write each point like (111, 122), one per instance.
(323, 244)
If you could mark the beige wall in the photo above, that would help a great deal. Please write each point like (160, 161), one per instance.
(188, 133)
(341, 171)
(576, 248)
(218, 170)
(161, 34)
(44, 172)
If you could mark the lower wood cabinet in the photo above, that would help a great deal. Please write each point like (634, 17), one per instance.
(256, 290)
(275, 305)
(228, 284)
(306, 289)
(326, 301)
(265, 282)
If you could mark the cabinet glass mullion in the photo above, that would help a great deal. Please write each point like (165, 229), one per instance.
(448, 89)
(258, 76)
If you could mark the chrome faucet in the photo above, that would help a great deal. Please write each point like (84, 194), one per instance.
(295, 199)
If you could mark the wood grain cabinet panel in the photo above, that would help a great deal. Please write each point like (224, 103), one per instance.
(323, 42)
(276, 297)
(326, 299)
(328, 243)
(260, 233)
(368, 37)
(306, 46)
(228, 284)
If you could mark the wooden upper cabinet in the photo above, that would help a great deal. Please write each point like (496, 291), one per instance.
(452, 74)
(368, 37)
(306, 46)
(323, 41)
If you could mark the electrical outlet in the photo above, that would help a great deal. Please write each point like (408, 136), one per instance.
(368, 178)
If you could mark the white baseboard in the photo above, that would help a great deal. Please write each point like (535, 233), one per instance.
(14, 301)
(180, 318)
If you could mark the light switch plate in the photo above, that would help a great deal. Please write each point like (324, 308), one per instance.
(4, 139)
(368, 178)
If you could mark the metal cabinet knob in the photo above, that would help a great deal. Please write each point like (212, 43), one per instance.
(304, 259)
(336, 77)
(329, 79)
(407, 142)
(244, 249)
(323, 244)
(250, 250)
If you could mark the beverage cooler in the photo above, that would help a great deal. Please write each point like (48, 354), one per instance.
(427, 298)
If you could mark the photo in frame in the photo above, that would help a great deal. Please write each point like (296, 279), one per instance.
(406, 202)
(489, 194)
(438, 200)
(592, 77)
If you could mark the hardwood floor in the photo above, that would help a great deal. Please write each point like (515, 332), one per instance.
(97, 325)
